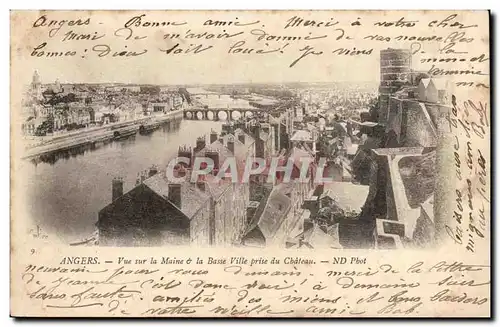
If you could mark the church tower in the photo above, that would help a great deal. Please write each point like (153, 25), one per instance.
(57, 86)
(36, 87)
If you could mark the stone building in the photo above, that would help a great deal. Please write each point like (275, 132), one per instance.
(275, 219)
(395, 67)
(161, 212)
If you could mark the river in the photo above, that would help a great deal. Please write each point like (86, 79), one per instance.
(64, 196)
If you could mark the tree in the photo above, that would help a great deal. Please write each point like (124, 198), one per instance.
(151, 90)
(70, 97)
(45, 127)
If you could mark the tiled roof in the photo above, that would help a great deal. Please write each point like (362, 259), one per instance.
(425, 82)
(216, 187)
(347, 196)
(311, 127)
(428, 207)
(301, 135)
(240, 149)
(317, 237)
(264, 136)
(192, 198)
(418, 175)
(296, 154)
(340, 128)
(351, 150)
(440, 83)
(249, 140)
(276, 208)
(333, 231)
(218, 147)
(369, 143)
(237, 143)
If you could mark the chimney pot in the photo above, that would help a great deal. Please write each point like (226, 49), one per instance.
(200, 143)
(117, 188)
(152, 171)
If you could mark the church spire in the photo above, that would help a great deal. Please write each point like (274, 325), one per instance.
(36, 78)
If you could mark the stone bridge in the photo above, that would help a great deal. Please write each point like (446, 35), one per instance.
(220, 113)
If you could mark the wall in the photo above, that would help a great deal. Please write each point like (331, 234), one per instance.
(420, 129)
(240, 195)
(200, 226)
(394, 72)
(410, 124)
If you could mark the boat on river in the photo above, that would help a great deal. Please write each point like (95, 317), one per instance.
(149, 127)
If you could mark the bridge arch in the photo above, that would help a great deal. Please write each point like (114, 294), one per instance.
(236, 114)
(222, 115)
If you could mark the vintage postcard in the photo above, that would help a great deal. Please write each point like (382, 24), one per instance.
(250, 164)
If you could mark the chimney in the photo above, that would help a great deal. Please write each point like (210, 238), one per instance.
(276, 137)
(239, 124)
(117, 188)
(311, 204)
(251, 209)
(226, 128)
(230, 144)
(214, 155)
(152, 171)
(213, 136)
(186, 152)
(174, 194)
(259, 144)
(349, 128)
(200, 184)
(200, 143)
(265, 128)
(256, 131)
(241, 138)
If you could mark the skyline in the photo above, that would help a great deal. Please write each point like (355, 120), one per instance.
(207, 84)
(187, 74)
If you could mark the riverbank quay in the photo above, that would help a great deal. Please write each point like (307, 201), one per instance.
(98, 134)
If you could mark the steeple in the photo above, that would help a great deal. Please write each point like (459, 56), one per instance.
(36, 79)
(57, 86)
(36, 87)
